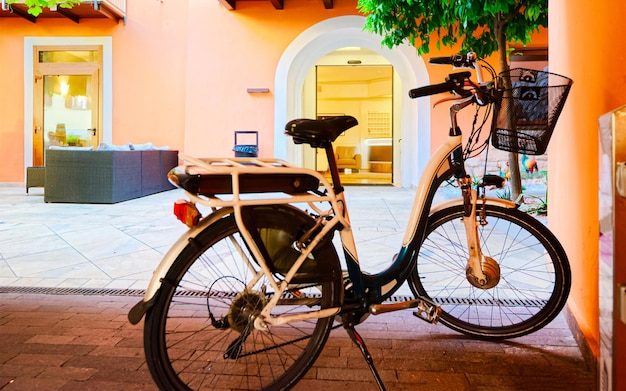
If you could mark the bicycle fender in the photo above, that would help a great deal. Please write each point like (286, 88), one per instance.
(488, 200)
(139, 309)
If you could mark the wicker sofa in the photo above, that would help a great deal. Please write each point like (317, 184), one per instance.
(106, 177)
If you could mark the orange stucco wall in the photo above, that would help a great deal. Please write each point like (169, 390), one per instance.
(181, 69)
(11, 107)
(596, 63)
(240, 50)
(149, 57)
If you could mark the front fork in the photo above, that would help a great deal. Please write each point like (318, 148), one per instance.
(481, 271)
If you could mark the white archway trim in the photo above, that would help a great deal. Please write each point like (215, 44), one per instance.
(29, 77)
(331, 34)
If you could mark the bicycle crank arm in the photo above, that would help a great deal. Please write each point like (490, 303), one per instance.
(427, 310)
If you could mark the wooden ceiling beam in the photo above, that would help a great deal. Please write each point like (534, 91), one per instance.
(278, 4)
(106, 11)
(229, 4)
(21, 13)
(67, 14)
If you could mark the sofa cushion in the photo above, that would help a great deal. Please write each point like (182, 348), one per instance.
(111, 147)
(142, 147)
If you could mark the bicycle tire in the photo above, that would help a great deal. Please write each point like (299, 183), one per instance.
(188, 349)
(535, 276)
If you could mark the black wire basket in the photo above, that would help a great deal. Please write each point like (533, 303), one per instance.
(525, 115)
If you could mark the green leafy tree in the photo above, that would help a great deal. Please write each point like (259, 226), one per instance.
(35, 7)
(481, 26)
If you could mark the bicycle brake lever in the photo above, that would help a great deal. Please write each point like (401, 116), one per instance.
(481, 92)
(447, 99)
(458, 79)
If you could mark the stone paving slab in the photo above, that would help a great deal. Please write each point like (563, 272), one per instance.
(74, 342)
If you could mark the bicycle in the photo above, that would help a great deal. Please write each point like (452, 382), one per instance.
(248, 296)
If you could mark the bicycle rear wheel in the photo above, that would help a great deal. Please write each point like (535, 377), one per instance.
(535, 276)
(200, 333)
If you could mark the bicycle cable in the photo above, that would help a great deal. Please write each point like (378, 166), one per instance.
(474, 146)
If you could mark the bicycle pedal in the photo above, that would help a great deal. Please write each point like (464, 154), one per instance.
(428, 311)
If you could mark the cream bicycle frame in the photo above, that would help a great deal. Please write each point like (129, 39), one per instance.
(330, 216)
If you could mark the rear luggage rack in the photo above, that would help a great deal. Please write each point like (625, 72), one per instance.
(219, 182)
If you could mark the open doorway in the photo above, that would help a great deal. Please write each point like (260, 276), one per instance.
(352, 85)
(81, 66)
(66, 98)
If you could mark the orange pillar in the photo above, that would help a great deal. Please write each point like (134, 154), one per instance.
(586, 43)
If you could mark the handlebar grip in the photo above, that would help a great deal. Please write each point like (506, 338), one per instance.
(441, 60)
(431, 90)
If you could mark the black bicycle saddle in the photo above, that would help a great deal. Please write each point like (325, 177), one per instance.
(318, 132)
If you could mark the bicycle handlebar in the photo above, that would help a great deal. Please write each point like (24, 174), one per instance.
(454, 83)
(431, 89)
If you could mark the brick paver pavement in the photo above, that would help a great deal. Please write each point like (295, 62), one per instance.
(74, 342)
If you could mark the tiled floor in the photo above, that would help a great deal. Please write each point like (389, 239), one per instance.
(84, 342)
(82, 245)
(118, 246)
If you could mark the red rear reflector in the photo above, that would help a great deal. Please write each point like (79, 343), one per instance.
(187, 212)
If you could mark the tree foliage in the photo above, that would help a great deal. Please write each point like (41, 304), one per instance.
(481, 26)
(475, 24)
(35, 7)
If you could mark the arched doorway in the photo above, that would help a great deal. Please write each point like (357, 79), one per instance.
(412, 116)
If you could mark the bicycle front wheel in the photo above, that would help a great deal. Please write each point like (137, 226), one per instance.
(200, 332)
(534, 274)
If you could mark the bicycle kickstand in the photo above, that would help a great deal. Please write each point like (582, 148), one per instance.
(358, 340)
